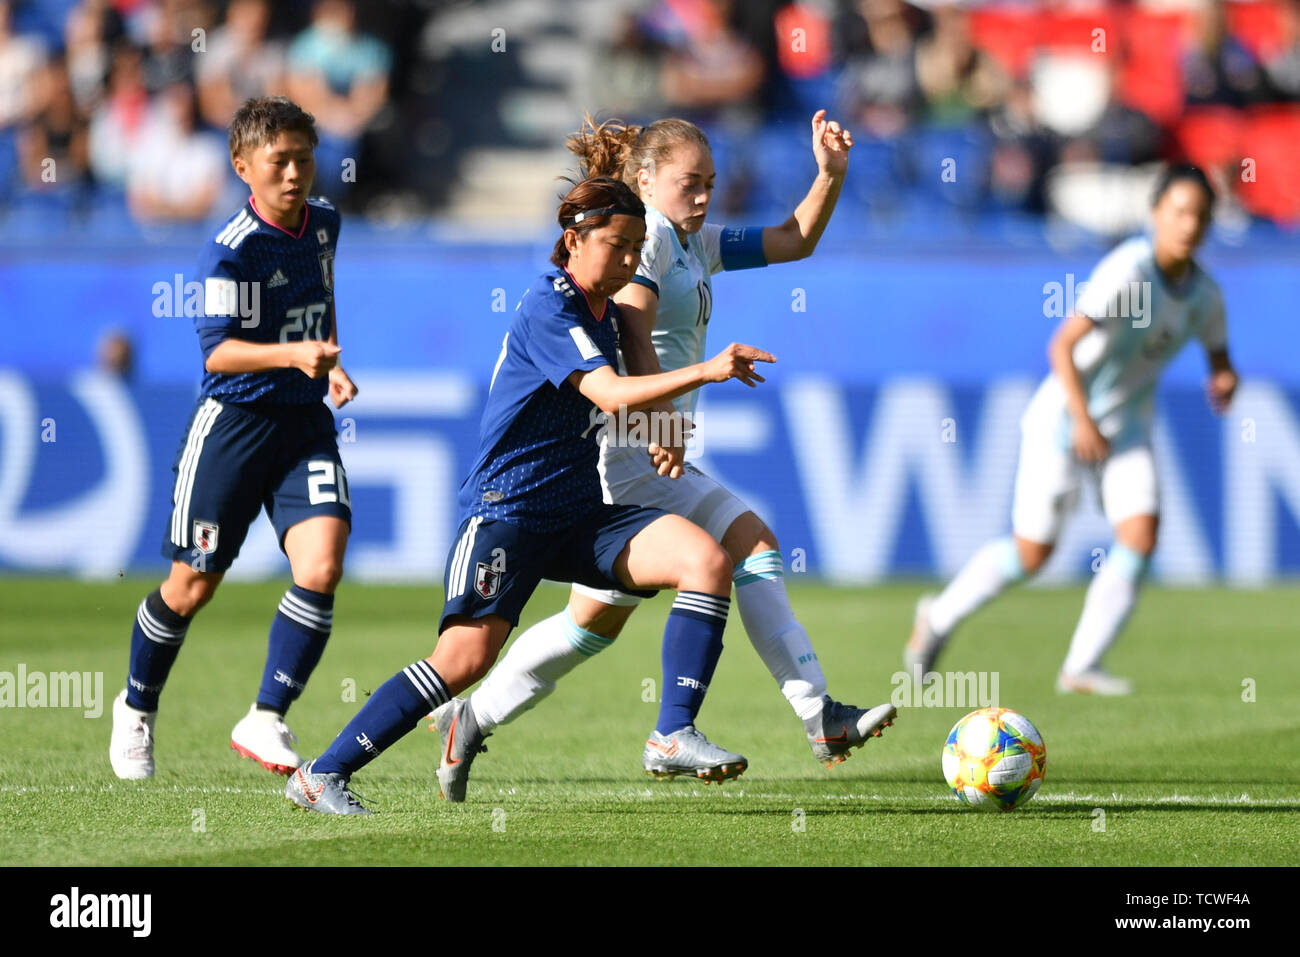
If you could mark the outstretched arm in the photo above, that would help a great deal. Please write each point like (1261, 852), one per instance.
(611, 392)
(798, 236)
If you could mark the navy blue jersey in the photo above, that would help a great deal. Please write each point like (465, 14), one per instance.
(536, 464)
(263, 284)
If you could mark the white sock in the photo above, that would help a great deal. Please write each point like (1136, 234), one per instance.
(1110, 600)
(539, 657)
(778, 638)
(987, 574)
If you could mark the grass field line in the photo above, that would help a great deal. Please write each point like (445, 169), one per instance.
(1070, 797)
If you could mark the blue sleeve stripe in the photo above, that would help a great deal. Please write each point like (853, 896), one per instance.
(648, 283)
(742, 248)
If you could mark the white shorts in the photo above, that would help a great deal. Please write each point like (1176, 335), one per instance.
(628, 479)
(1048, 479)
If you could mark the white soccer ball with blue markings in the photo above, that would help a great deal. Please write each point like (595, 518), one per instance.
(994, 759)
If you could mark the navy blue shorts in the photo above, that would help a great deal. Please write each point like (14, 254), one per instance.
(494, 567)
(236, 459)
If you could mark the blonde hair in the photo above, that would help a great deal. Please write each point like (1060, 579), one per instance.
(614, 148)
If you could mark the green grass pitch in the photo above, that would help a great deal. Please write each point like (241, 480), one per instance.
(1188, 771)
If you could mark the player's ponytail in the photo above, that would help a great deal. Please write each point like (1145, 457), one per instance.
(589, 206)
(603, 149)
(614, 148)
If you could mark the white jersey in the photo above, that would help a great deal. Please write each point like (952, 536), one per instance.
(682, 278)
(1140, 322)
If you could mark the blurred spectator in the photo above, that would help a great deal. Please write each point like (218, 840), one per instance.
(54, 148)
(92, 28)
(177, 171)
(1283, 68)
(881, 94)
(341, 78)
(240, 63)
(1217, 68)
(710, 67)
(170, 42)
(117, 354)
(712, 75)
(1121, 134)
(624, 77)
(1022, 153)
(117, 122)
(957, 80)
(21, 60)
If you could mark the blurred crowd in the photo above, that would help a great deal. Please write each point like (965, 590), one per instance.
(1012, 106)
(128, 100)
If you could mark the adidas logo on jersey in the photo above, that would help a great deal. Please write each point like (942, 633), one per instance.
(277, 280)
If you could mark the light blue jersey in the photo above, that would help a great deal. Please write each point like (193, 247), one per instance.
(682, 277)
(1140, 322)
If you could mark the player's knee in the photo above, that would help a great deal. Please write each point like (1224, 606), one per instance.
(748, 535)
(1033, 555)
(477, 663)
(322, 575)
(707, 569)
(187, 595)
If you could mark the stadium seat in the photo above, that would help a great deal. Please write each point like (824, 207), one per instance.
(1152, 78)
(1270, 140)
(1008, 34)
(1257, 25)
(1211, 136)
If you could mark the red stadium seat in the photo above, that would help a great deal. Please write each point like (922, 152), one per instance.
(1009, 35)
(1075, 31)
(1271, 137)
(1152, 79)
(1256, 24)
(1211, 136)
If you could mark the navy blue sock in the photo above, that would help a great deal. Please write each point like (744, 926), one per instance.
(692, 645)
(391, 712)
(299, 630)
(155, 643)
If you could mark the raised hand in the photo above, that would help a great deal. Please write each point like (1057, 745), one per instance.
(831, 144)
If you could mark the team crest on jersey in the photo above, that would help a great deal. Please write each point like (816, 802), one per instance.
(322, 236)
(327, 269)
(205, 536)
(487, 580)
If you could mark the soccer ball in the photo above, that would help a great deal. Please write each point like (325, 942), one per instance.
(994, 759)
